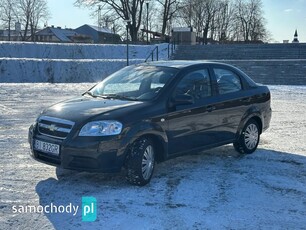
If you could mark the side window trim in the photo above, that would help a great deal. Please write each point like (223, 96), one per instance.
(213, 81)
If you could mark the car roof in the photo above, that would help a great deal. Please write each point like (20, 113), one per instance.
(180, 64)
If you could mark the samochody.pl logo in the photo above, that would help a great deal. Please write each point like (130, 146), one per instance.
(89, 209)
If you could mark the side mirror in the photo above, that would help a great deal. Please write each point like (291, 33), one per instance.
(182, 99)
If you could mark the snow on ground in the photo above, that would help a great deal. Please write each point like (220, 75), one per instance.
(215, 189)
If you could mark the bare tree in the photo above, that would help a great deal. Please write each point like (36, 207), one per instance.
(222, 20)
(8, 14)
(249, 15)
(186, 12)
(40, 12)
(106, 19)
(211, 8)
(169, 9)
(201, 15)
(131, 10)
(31, 12)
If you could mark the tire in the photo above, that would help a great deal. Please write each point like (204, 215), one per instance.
(249, 138)
(141, 162)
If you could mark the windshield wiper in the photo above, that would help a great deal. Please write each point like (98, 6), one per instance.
(110, 96)
(117, 96)
(89, 93)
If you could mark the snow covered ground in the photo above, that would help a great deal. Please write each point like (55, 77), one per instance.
(215, 189)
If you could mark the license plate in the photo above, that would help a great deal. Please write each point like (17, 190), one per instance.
(46, 147)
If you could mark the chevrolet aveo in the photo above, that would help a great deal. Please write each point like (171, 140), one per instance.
(147, 113)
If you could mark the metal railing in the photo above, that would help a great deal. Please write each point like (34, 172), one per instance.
(151, 55)
(173, 46)
(155, 52)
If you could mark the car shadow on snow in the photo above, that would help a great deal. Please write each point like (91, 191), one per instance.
(223, 177)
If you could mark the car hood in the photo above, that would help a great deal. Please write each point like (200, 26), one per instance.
(82, 108)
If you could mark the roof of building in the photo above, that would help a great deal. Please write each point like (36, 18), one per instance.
(62, 34)
(100, 29)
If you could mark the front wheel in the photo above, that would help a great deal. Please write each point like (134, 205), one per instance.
(141, 162)
(249, 138)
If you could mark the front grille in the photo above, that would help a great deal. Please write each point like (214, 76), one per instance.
(54, 127)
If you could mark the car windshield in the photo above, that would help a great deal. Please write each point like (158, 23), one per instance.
(140, 82)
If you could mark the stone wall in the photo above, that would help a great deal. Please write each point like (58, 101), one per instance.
(266, 63)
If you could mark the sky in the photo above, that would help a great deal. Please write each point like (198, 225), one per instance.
(283, 17)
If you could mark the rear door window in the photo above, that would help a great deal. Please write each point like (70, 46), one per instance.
(228, 81)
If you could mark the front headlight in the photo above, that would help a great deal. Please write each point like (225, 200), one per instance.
(101, 128)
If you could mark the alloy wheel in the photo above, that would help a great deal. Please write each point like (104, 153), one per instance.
(251, 136)
(148, 162)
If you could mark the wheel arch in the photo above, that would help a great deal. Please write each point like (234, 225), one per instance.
(250, 114)
(146, 130)
(259, 122)
(159, 145)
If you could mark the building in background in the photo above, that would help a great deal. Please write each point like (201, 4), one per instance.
(184, 35)
(13, 34)
(57, 34)
(100, 35)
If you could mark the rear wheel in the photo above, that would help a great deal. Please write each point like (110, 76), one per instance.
(141, 162)
(249, 138)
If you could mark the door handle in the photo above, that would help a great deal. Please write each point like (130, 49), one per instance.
(210, 108)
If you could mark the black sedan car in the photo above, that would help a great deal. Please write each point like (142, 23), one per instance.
(151, 112)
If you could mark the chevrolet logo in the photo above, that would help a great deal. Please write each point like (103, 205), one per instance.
(52, 128)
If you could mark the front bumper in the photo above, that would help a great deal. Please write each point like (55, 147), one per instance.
(93, 154)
